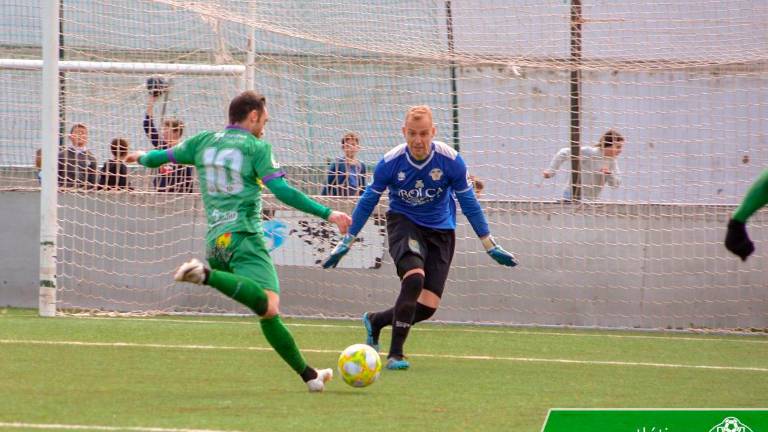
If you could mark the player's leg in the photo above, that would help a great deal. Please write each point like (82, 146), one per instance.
(373, 323)
(281, 339)
(220, 253)
(437, 248)
(242, 269)
(408, 250)
(402, 235)
(440, 249)
(426, 306)
(405, 307)
(252, 260)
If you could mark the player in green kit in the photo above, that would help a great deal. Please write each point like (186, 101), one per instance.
(233, 166)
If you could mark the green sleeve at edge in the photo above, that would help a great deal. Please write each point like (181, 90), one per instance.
(756, 197)
(154, 158)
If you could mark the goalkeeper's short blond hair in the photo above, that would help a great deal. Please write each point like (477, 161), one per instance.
(417, 112)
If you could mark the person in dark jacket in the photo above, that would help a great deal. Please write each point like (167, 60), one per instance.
(170, 177)
(114, 173)
(77, 165)
(346, 174)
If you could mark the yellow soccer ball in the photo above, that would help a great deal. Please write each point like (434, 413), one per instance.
(359, 365)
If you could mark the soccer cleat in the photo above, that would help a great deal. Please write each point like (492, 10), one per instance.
(192, 271)
(369, 339)
(397, 363)
(318, 384)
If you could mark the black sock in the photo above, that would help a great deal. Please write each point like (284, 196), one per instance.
(309, 374)
(384, 318)
(423, 312)
(379, 320)
(405, 307)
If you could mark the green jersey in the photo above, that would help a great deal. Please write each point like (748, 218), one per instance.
(233, 166)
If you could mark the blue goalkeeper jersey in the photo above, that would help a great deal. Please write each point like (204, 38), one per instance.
(423, 191)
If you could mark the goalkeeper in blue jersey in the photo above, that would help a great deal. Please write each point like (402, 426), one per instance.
(422, 176)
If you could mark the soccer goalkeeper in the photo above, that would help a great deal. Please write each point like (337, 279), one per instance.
(233, 165)
(737, 240)
(422, 176)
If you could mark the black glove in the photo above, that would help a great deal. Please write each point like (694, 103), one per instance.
(156, 86)
(737, 240)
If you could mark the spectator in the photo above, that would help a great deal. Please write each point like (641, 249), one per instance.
(114, 173)
(477, 184)
(39, 165)
(77, 165)
(346, 175)
(170, 177)
(597, 163)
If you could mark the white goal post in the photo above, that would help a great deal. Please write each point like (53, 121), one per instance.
(51, 66)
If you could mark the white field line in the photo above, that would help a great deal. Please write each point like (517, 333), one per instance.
(458, 329)
(436, 327)
(443, 356)
(20, 425)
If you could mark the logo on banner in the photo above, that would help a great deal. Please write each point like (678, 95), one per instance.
(730, 424)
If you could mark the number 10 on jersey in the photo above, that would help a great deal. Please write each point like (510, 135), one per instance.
(222, 170)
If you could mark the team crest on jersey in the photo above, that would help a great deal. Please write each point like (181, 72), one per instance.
(220, 250)
(400, 176)
(436, 174)
(413, 244)
(223, 241)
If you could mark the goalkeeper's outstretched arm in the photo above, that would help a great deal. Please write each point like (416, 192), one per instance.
(360, 216)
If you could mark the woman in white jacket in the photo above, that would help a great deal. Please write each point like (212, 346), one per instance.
(598, 165)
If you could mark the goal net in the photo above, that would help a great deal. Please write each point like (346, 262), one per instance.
(514, 87)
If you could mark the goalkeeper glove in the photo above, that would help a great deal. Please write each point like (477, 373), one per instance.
(498, 253)
(339, 251)
(737, 240)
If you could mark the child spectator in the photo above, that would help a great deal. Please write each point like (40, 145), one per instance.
(114, 173)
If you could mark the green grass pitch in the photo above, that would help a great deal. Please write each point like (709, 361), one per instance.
(218, 373)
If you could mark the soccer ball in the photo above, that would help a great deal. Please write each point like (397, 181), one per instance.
(731, 424)
(359, 365)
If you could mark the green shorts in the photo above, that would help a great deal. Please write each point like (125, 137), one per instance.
(243, 254)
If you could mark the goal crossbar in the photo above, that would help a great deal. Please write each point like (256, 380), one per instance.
(93, 66)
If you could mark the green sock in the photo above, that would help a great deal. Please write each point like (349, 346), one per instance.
(280, 338)
(239, 288)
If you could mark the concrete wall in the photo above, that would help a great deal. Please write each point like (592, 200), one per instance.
(615, 265)
(19, 248)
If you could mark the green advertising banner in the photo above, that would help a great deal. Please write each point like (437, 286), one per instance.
(656, 420)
